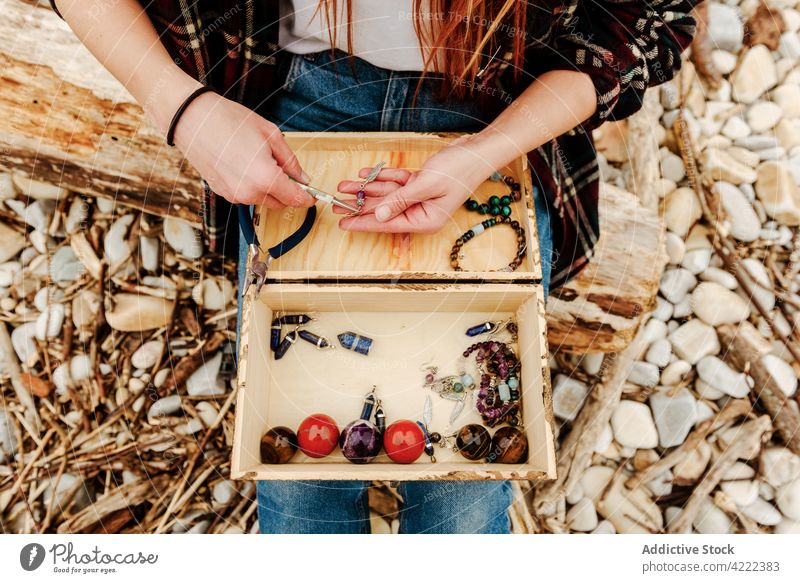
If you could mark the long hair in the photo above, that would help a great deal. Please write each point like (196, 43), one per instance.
(453, 35)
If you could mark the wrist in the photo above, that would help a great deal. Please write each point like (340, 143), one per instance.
(165, 96)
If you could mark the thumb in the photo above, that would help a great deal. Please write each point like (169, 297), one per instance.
(286, 158)
(398, 201)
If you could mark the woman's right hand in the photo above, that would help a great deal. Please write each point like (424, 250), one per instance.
(241, 155)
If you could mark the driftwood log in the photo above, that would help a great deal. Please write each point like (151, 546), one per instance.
(64, 120)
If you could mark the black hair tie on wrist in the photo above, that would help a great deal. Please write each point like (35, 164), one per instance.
(175, 118)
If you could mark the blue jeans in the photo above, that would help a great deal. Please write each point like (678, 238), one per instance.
(315, 97)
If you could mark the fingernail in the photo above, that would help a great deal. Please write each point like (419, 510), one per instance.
(305, 178)
(382, 213)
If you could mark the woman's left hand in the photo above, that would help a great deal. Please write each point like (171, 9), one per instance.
(402, 201)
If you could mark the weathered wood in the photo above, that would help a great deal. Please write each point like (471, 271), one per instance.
(601, 309)
(745, 348)
(65, 120)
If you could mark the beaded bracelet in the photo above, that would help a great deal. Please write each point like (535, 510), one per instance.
(497, 205)
(480, 228)
(173, 124)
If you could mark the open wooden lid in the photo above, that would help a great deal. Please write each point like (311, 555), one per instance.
(331, 254)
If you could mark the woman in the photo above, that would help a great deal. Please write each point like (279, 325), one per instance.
(521, 77)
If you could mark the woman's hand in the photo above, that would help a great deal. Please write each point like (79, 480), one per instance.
(401, 201)
(242, 156)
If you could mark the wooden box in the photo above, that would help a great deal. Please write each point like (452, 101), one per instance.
(399, 290)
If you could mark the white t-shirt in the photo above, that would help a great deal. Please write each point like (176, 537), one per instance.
(383, 31)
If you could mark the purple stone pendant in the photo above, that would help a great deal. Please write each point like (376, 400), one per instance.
(361, 440)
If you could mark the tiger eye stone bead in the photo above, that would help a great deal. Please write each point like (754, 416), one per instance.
(509, 446)
(278, 445)
(473, 442)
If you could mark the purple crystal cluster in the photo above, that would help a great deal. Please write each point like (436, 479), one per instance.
(360, 441)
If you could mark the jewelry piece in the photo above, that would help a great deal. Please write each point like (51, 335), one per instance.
(428, 441)
(498, 395)
(278, 445)
(480, 228)
(493, 327)
(361, 440)
(318, 341)
(317, 435)
(285, 344)
(361, 195)
(355, 342)
(279, 321)
(508, 446)
(497, 205)
(404, 441)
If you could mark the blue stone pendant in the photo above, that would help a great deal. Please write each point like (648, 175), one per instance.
(355, 342)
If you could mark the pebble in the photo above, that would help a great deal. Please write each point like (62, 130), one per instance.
(674, 416)
(704, 411)
(676, 248)
(787, 97)
(746, 157)
(147, 354)
(661, 485)
(85, 307)
(681, 210)
(22, 339)
(757, 142)
(205, 381)
(37, 189)
(604, 527)
(663, 311)
(659, 354)
(115, 243)
(742, 492)
(745, 225)
(76, 216)
(722, 377)
(778, 466)
(676, 283)
(672, 168)
(11, 242)
(764, 116)
(778, 192)
(711, 520)
(149, 250)
(183, 238)
(675, 372)
(720, 276)
(762, 512)
(736, 128)
(725, 61)
(725, 28)
(575, 495)
(65, 266)
(755, 75)
(788, 133)
(694, 340)
(50, 321)
(696, 261)
(223, 491)
(782, 373)
(630, 511)
(653, 330)
(757, 271)
(207, 412)
(138, 312)
(633, 425)
(591, 362)
(644, 374)
(569, 394)
(582, 517)
(213, 293)
(720, 165)
(165, 406)
(787, 526)
(717, 305)
(790, 46)
(706, 391)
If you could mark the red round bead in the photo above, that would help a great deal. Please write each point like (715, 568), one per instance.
(317, 435)
(404, 441)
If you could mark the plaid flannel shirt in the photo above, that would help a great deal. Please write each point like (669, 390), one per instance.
(625, 46)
